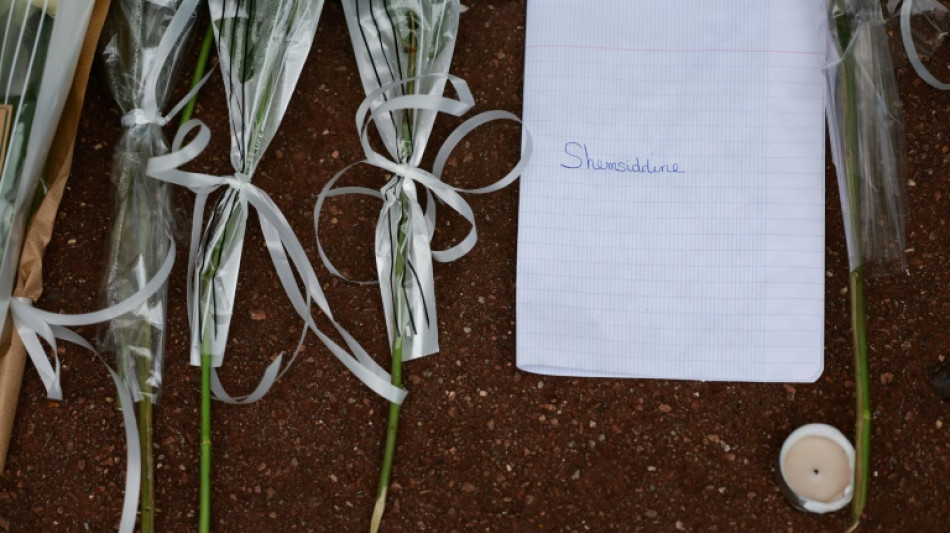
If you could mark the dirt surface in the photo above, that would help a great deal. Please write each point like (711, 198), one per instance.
(482, 446)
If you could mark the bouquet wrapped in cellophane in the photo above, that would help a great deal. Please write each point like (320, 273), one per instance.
(403, 50)
(39, 48)
(262, 47)
(143, 45)
(867, 139)
(141, 61)
(867, 136)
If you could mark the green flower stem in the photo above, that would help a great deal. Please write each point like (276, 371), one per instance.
(146, 407)
(146, 434)
(200, 69)
(842, 20)
(385, 472)
(389, 450)
(205, 496)
(204, 514)
(862, 394)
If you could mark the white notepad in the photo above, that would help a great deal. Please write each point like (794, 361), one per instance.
(672, 217)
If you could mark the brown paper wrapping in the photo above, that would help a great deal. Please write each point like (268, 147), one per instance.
(29, 282)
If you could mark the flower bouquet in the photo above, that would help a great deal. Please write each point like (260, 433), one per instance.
(866, 129)
(144, 43)
(403, 50)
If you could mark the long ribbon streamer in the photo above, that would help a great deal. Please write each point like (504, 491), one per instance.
(29, 320)
(423, 334)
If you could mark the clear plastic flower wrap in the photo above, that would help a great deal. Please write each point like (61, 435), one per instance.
(867, 136)
(924, 26)
(142, 225)
(403, 41)
(39, 48)
(262, 47)
(143, 43)
(404, 49)
(867, 139)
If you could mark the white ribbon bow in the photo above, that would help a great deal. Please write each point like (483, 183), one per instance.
(287, 255)
(422, 339)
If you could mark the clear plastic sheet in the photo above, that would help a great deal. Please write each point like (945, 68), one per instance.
(867, 136)
(34, 84)
(142, 225)
(262, 47)
(404, 49)
(408, 41)
(931, 25)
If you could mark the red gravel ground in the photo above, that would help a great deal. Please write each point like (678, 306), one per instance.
(482, 445)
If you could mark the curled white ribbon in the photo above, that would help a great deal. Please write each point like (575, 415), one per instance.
(422, 338)
(287, 255)
(149, 113)
(907, 36)
(34, 324)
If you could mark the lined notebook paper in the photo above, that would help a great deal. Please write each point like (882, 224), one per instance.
(672, 217)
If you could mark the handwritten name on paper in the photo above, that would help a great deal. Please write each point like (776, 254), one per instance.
(577, 156)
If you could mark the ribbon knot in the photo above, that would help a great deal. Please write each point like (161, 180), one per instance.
(138, 117)
(239, 181)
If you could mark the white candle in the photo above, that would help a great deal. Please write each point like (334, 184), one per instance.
(816, 468)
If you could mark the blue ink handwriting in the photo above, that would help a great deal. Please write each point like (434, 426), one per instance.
(580, 158)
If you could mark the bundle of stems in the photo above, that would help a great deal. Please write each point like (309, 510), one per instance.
(867, 137)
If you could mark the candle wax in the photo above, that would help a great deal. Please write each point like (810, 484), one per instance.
(818, 469)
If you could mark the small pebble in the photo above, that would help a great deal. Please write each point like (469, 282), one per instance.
(258, 314)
